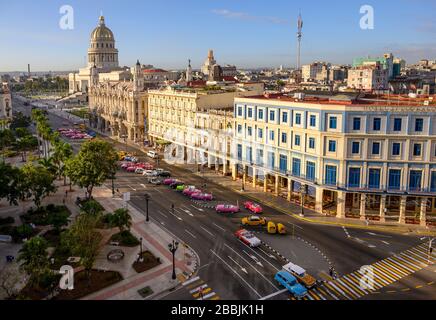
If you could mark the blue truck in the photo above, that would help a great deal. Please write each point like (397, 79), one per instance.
(288, 281)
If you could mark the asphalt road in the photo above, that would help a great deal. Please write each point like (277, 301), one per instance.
(230, 269)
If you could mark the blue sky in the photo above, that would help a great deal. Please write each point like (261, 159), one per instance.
(248, 33)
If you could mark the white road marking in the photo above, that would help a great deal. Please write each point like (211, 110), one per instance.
(385, 242)
(201, 210)
(251, 249)
(274, 294)
(241, 267)
(294, 225)
(188, 212)
(143, 185)
(163, 214)
(192, 235)
(236, 272)
(210, 295)
(371, 246)
(131, 187)
(254, 258)
(346, 232)
(208, 231)
(268, 254)
(250, 264)
(218, 226)
(191, 281)
(204, 286)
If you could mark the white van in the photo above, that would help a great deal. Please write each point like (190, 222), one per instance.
(152, 154)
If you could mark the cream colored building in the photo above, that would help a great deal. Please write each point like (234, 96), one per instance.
(371, 76)
(120, 107)
(103, 54)
(317, 71)
(197, 122)
(351, 158)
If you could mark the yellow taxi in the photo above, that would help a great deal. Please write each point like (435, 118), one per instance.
(281, 229)
(253, 221)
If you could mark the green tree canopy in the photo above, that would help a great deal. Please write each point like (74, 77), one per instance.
(9, 183)
(94, 163)
(34, 259)
(37, 183)
(121, 219)
(83, 240)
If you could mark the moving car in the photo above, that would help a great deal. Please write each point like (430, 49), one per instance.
(288, 281)
(281, 229)
(248, 238)
(150, 173)
(272, 228)
(169, 181)
(227, 208)
(139, 170)
(303, 277)
(202, 196)
(180, 187)
(189, 191)
(177, 184)
(164, 174)
(131, 169)
(253, 221)
(155, 181)
(152, 154)
(253, 207)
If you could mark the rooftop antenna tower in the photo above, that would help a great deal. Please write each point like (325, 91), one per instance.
(299, 36)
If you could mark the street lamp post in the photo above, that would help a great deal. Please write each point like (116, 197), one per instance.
(147, 198)
(430, 248)
(303, 193)
(140, 252)
(173, 248)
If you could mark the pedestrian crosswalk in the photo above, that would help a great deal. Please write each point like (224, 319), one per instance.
(200, 290)
(374, 277)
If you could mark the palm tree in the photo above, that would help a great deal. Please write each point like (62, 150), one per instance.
(61, 153)
(34, 259)
(48, 163)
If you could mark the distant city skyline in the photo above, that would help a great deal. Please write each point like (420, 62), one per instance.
(248, 35)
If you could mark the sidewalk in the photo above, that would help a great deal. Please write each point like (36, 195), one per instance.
(155, 240)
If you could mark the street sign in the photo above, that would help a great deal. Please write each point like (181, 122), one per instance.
(126, 196)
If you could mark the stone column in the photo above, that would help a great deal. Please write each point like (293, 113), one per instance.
(276, 185)
(341, 204)
(225, 167)
(382, 209)
(234, 171)
(254, 177)
(209, 161)
(362, 206)
(403, 202)
(423, 213)
(289, 189)
(244, 174)
(319, 199)
(265, 182)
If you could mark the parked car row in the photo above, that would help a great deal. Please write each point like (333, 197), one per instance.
(74, 134)
(189, 191)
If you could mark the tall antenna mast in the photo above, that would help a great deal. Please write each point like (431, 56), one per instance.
(299, 36)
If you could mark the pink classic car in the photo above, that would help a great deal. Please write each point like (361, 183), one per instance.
(227, 208)
(202, 196)
(190, 191)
